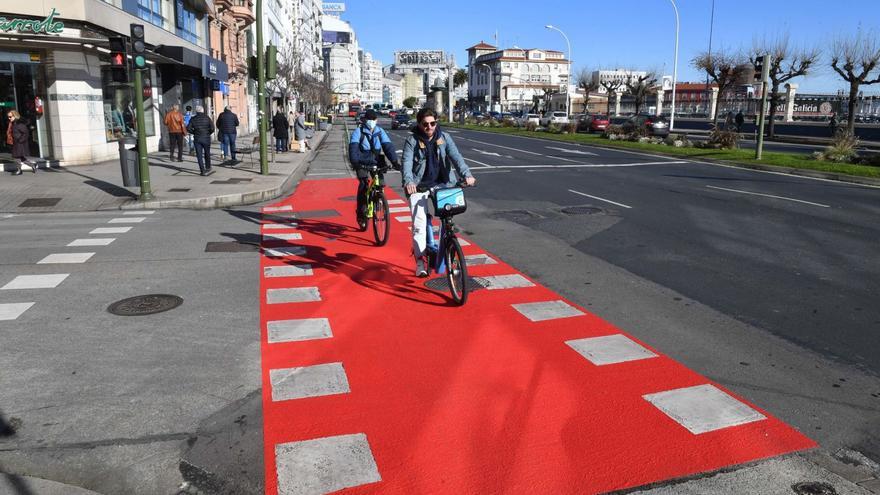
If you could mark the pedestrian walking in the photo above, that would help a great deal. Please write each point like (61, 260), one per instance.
(189, 139)
(833, 124)
(279, 124)
(299, 131)
(728, 122)
(740, 120)
(176, 132)
(18, 136)
(227, 125)
(291, 122)
(201, 128)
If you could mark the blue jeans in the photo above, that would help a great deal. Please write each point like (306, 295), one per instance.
(227, 144)
(203, 154)
(281, 144)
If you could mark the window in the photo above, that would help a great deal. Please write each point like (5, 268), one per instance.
(187, 25)
(119, 114)
(151, 11)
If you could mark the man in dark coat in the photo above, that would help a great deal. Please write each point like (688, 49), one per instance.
(280, 124)
(227, 125)
(201, 128)
(740, 120)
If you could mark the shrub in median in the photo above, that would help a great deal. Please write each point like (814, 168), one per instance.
(571, 127)
(613, 130)
(531, 126)
(842, 149)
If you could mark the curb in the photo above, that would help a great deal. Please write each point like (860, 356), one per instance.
(235, 199)
(814, 174)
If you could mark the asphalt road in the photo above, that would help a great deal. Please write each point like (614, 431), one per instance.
(781, 270)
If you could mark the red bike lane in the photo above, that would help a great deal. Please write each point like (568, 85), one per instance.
(374, 383)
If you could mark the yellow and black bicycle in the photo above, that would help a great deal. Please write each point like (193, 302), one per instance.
(377, 205)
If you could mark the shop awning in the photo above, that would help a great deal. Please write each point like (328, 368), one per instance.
(181, 55)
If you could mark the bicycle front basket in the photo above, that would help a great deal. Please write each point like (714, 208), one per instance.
(449, 201)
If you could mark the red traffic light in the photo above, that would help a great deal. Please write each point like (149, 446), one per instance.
(117, 59)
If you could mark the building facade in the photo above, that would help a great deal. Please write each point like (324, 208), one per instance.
(620, 75)
(229, 37)
(56, 72)
(342, 69)
(392, 90)
(430, 66)
(371, 78)
(514, 79)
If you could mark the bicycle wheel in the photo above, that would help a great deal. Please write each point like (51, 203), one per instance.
(381, 226)
(456, 271)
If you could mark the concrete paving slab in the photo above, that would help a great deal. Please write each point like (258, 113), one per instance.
(610, 349)
(325, 465)
(288, 271)
(293, 295)
(547, 310)
(703, 408)
(297, 330)
(308, 381)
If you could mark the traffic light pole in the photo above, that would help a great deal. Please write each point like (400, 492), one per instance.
(261, 91)
(765, 73)
(143, 163)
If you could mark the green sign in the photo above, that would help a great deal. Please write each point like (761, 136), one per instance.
(48, 25)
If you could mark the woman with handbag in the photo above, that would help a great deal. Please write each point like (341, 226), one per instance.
(18, 135)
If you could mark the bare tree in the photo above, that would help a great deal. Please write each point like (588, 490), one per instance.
(786, 63)
(611, 86)
(288, 75)
(723, 68)
(585, 81)
(640, 86)
(855, 59)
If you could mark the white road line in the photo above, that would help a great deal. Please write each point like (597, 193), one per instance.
(590, 165)
(139, 212)
(486, 165)
(577, 152)
(46, 281)
(506, 147)
(600, 199)
(11, 311)
(66, 258)
(110, 230)
(127, 220)
(93, 241)
(328, 173)
(270, 209)
(769, 196)
(561, 158)
(785, 174)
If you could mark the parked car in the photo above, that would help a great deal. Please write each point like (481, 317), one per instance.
(558, 118)
(593, 123)
(654, 125)
(392, 113)
(530, 117)
(401, 121)
(495, 115)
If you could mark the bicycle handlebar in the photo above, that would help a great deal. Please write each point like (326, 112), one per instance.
(433, 189)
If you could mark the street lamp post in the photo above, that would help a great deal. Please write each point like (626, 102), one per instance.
(568, 82)
(674, 69)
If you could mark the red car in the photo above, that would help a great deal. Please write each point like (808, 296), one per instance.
(392, 113)
(593, 123)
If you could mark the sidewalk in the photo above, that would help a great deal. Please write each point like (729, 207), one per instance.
(174, 184)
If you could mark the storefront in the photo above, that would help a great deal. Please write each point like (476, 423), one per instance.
(23, 88)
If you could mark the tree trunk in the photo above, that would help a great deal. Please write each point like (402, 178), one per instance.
(774, 101)
(851, 106)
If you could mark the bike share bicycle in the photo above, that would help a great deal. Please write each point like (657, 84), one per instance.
(377, 206)
(448, 202)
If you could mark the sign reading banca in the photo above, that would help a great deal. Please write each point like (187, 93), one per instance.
(333, 8)
(420, 58)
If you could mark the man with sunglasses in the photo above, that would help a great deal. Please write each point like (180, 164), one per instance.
(365, 149)
(429, 156)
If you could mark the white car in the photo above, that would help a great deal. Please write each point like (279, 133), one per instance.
(530, 117)
(558, 118)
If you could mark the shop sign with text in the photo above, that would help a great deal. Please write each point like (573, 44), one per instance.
(23, 26)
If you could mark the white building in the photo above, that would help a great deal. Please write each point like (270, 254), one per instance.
(371, 78)
(342, 69)
(621, 75)
(514, 77)
(429, 65)
(392, 90)
(309, 37)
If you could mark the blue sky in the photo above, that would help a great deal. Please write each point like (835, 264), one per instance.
(606, 34)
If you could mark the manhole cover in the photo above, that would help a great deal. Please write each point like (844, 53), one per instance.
(348, 198)
(813, 488)
(179, 189)
(441, 284)
(581, 210)
(144, 305)
(38, 202)
(231, 247)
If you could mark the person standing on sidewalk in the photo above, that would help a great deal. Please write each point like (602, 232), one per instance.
(279, 126)
(740, 120)
(201, 128)
(833, 124)
(189, 139)
(176, 132)
(299, 131)
(18, 136)
(291, 122)
(227, 124)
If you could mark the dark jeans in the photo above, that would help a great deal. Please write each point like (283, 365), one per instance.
(203, 153)
(175, 140)
(363, 181)
(227, 144)
(281, 144)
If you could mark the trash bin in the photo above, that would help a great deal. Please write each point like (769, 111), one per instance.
(128, 162)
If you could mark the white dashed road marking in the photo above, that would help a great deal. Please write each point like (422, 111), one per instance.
(598, 198)
(11, 311)
(66, 258)
(269, 209)
(139, 212)
(576, 152)
(324, 465)
(398, 209)
(92, 241)
(308, 381)
(278, 226)
(285, 251)
(396, 202)
(403, 219)
(127, 220)
(48, 281)
(282, 237)
(293, 295)
(769, 196)
(479, 259)
(610, 349)
(287, 271)
(703, 408)
(505, 147)
(547, 310)
(513, 281)
(110, 230)
(297, 330)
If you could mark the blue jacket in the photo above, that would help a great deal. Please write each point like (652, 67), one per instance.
(359, 152)
(414, 160)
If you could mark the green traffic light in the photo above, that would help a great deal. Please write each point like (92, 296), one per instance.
(140, 62)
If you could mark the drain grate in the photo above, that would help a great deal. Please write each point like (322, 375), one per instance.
(813, 488)
(581, 210)
(145, 305)
(38, 202)
(231, 247)
(441, 284)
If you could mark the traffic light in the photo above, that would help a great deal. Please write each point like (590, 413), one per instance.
(271, 61)
(118, 58)
(138, 48)
(252, 67)
(762, 67)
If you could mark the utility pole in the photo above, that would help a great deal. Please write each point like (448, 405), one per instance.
(261, 91)
(450, 83)
(762, 63)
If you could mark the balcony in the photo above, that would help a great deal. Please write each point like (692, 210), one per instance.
(241, 11)
(223, 4)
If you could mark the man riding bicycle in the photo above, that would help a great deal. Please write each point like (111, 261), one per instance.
(429, 156)
(365, 148)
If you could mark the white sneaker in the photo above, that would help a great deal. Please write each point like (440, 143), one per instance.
(420, 267)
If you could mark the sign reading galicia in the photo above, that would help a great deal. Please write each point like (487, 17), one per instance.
(48, 25)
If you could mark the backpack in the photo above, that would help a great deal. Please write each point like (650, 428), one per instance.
(377, 154)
